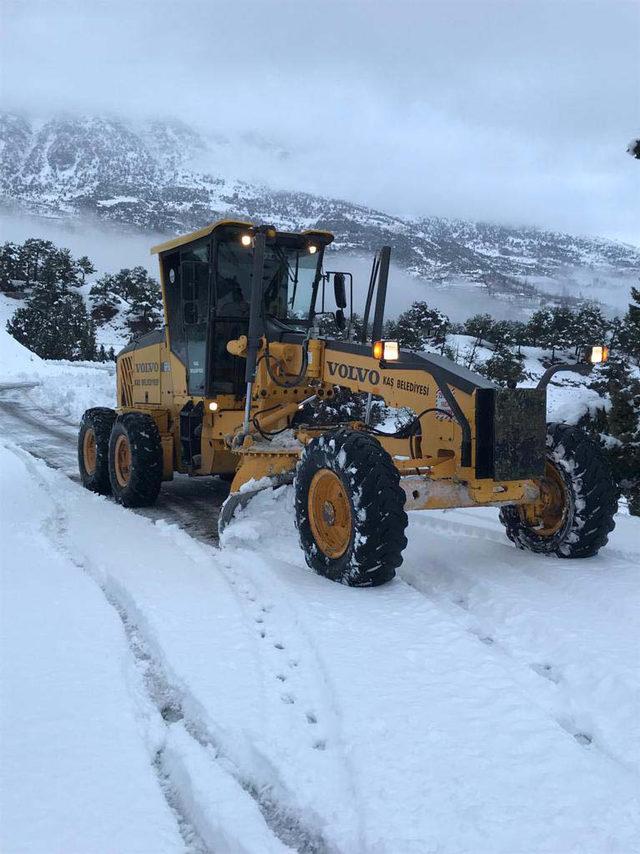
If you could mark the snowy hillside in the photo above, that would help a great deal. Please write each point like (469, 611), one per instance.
(165, 177)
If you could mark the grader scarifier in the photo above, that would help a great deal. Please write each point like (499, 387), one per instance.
(224, 389)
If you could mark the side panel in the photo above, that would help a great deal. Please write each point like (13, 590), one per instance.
(146, 375)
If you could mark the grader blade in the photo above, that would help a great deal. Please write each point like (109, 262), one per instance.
(241, 499)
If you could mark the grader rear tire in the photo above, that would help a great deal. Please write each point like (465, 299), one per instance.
(135, 460)
(93, 449)
(581, 499)
(350, 509)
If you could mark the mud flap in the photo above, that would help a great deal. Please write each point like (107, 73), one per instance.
(241, 499)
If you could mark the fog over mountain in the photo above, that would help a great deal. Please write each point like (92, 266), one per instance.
(484, 141)
(514, 112)
(101, 172)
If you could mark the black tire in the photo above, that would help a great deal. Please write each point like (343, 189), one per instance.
(95, 429)
(142, 485)
(377, 519)
(591, 498)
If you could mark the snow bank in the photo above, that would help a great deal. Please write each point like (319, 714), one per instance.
(76, 775)
(16, 362)
(67, 390)
(59, 387)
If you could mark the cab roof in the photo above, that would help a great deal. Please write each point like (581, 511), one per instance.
(223, 223)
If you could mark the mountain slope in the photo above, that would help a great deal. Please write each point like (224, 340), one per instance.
(144, 175)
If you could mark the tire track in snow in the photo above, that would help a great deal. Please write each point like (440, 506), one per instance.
(469, 598)
(460, 526)
(55, 529)
(196, 515)
(542, 677)
(194, 503)
(171, 702)
(540, 695)
(297, 668)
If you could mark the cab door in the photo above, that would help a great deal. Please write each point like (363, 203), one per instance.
(186, 278)
(229, 316)
(195, 312)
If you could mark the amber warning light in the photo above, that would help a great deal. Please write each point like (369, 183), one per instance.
(597, 355)
(387, 351)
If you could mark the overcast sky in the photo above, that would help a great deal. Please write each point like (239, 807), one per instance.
(511, 111)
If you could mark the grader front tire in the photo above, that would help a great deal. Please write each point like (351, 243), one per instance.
(350, 509)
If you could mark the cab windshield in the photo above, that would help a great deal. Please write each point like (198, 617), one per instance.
(288, 280)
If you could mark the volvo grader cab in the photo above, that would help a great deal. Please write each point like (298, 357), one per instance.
(224, 389)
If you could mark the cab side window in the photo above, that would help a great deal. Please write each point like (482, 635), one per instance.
(195, 277)
(173, 298)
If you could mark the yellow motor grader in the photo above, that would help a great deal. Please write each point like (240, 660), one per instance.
(224, 389)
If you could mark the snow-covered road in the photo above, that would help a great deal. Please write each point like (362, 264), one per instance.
(162, 694)
(194, 503)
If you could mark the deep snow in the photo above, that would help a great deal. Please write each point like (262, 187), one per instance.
(483, 702)
(162, 694)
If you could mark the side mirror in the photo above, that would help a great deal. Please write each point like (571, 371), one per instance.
(339, 290)
(340, 321)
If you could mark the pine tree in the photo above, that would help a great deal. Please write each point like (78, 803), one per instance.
(618, 380)
(419, 327)
(539, 328)
(31, 256)
(145, 311)
(501, 333)
(9, 267)
(562, 331)
(54, 323)
(344, 406)
(85, 266)
(629, 332)
(504, 367)
(104, 300)
(139, 289)
(590, 326)
(479, 326)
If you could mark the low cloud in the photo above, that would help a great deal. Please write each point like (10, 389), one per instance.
(517, 112)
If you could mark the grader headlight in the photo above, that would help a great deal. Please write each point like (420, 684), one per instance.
(387, 351)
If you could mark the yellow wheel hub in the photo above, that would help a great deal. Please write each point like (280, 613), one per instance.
(548, 514)
(122, 460)
(89, 451)
(329, 513)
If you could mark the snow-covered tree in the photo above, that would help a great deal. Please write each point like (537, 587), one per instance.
(504, 367)
(419, 327)
(540, 328)
(85, 266)
(629, 332)
(479, 326)
(54, 323)
(104, 300)
(590, 326)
